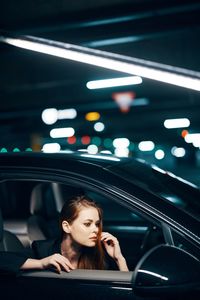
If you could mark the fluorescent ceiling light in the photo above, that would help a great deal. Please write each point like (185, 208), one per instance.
(121, 143)
(51, 115)
(68, 113)
(176, 123)
(129, 65)
(106, 83)
(62, 132)
(51, 148)
(146, 146)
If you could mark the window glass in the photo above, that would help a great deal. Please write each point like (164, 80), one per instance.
(181, 242)
(179, 192)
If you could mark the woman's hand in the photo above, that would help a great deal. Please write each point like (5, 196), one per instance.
(111, 245)
(57, 261)
(113, 249)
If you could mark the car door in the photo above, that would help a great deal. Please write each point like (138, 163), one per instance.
(93, 284)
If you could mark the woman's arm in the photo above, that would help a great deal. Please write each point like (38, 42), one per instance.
(57, 261)
(11, 262)
(113, 249)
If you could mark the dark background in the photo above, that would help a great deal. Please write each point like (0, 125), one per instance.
(167, 32)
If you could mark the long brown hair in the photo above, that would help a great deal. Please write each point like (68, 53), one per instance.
(90, 258)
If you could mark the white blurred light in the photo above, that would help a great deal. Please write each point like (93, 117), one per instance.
(178, 151)
(105, 83)
(121, 143)
(176, 123)
(192, 137)
(62, 132)
(146, 146)
(69, 113)
(99, 126)
(51, 148)
(159, 154)
(122, 152)
(92, 149)
(49, 116)
(196, 143)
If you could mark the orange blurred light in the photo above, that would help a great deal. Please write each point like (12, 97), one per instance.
(184, 133)
(92, 116)
(85, 140)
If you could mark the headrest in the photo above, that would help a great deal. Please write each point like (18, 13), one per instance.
(47, 199)
(43, 201)
(1, 226)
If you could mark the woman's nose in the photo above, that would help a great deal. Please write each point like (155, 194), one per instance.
(95, 228)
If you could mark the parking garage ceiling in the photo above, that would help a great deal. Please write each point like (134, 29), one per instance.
(166, 32)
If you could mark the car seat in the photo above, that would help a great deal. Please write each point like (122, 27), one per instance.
(46, 203)
(43, 222)
(8, 241)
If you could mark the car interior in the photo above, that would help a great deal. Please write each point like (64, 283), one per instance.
(30, 211)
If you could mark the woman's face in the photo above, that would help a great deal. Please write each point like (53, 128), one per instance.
(84, 230)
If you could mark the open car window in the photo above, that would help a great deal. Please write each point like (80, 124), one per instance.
(136, 234)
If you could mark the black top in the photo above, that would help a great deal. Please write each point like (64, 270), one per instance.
(10, 262)
(46, 248)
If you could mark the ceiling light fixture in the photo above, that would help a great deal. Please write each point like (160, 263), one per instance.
(129, 65)
(51, 148)
(176, 123)
(113, 82)
(51, 115)
(146, 146)
(62, 132)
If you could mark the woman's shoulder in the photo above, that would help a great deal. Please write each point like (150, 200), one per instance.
(44, 248)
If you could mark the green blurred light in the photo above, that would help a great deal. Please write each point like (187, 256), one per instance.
(28, 150)
(3, 150)
(16, 150)
(96, 141)
(107, 143)
(131, 146)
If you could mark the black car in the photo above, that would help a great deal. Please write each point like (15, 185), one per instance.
(154, 214)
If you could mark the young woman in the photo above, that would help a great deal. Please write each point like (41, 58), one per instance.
(82, 244)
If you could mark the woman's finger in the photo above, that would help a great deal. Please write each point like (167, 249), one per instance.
(57, 266)
(67, 262)
(110, 238)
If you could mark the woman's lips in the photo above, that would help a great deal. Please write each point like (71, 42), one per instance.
(93, 238)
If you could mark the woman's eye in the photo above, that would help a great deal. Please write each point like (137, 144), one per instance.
(87, 224)
(98, 224)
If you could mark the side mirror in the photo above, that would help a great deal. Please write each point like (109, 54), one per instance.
(166, 270)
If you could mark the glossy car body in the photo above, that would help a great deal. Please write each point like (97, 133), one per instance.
(167, 267)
